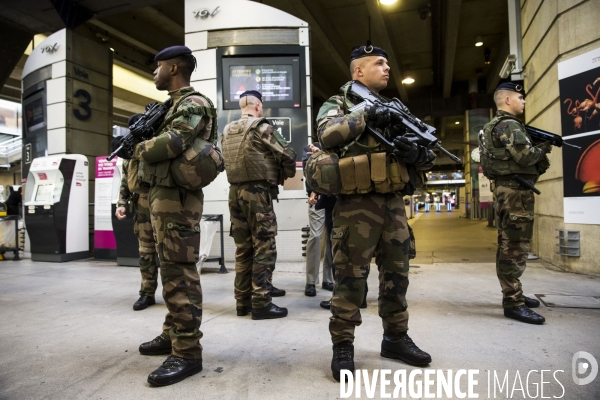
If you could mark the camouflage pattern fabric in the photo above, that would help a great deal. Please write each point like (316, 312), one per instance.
(514, 218)
(175, 215)
(142, 227)
(253, 227)
(363, 226)
(179, 134)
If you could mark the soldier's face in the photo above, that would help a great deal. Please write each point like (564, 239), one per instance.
(517, 103)
(162, 75)
(375, 73)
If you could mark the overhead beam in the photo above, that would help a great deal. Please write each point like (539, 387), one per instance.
(452, 22)
(158, 19)
(125, 38)
(322, 30)
(386, 42)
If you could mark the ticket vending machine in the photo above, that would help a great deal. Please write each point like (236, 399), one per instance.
(128, 253)
(56, 208)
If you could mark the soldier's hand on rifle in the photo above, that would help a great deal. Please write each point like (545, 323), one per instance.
(546, 146)
(406, 150)
(379, 116)
(120, 213)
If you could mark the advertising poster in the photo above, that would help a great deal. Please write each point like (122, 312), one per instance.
(579, 83)
(485, 193)
(104, 237)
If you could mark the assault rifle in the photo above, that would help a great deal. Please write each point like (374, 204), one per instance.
(143, 128)
(417, 131)
(545, 136)
(526, 184)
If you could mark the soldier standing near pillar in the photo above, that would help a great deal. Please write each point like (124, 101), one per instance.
(257, 160)
(175, 215)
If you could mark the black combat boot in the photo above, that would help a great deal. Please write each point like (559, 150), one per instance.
(143, 302)
(243, 310)
(400, 346)
(524, 314)
(326, 304)
(531, 303)
(343, 358)
(269, 312)
(173, 370)
(157, 346)
(310, 290)
(327, 286)
(276, 292)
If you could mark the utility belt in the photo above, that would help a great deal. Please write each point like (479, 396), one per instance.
(508, 181)
(273, 189)
(326, 173)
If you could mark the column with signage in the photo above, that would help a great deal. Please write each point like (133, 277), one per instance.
(245, 45)
(67, 99)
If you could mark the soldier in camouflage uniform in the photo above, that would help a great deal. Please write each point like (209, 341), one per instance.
(175, 214)
(256, 157)
(370, 223)
(143, 230)
(506, 149)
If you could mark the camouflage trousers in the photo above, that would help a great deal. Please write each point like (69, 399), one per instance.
(253, 227)
(514, 219)
(175, 214)
(363, 226)
(142, 227)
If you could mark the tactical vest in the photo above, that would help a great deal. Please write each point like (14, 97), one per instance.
(198, 165)
(496, 160)
(243, 161)
(359, 167)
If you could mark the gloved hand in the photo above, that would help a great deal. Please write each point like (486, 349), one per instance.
(406, 150)
(545, 146)
(379, 116)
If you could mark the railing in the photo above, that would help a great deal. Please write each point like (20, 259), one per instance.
(10, 151)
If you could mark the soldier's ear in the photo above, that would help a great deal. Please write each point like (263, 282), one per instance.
(173, 69)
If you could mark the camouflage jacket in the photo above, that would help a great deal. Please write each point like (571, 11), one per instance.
(337, 129)
(265, 156)
(174, 138)
(124, 192)
(507, 149)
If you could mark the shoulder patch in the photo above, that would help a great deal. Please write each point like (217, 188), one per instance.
(332, 113)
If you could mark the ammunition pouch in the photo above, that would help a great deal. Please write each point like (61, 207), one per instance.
(198, 166)
(134, 181)
(330, 175)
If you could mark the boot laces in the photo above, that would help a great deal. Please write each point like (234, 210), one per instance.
(343, 352)
(409, 343)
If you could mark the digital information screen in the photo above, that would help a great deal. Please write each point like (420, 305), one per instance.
(45, 193)
(34, 114)
(276, 78)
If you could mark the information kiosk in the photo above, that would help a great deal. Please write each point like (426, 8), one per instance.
(128, 253)
(56, 208)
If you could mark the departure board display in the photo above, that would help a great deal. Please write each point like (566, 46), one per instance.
(276, 78)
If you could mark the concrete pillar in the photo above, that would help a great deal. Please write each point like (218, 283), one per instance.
(67, 99)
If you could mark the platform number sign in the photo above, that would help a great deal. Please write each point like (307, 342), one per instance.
(84, 105)
(28, 155)
(283, 126)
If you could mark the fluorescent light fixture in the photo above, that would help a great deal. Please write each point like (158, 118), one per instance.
(387, 2)
(478, 41)
(408, 80)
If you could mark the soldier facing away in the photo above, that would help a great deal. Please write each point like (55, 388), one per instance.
(507, 150)
(256, 158)
(175, 215)
(142, 228)
(370, 219)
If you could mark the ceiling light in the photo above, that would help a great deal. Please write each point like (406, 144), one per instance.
(408, 80)
(478, 41)
(457, 123)
(387, 2)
